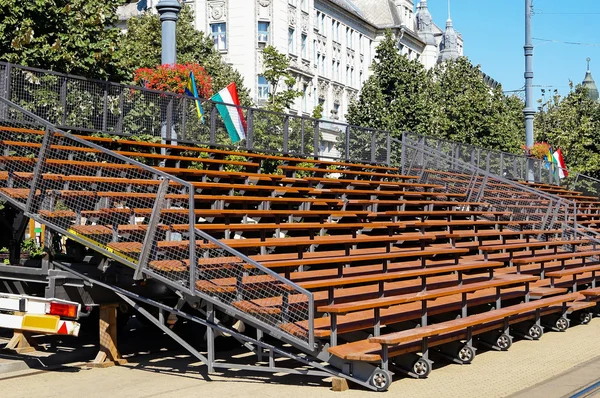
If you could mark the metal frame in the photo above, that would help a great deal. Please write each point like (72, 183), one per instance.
(142, 266)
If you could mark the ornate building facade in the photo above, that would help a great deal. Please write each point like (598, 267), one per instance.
(331, 43)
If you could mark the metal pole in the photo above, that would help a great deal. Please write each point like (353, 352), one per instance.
(529, 110)
(169, 13)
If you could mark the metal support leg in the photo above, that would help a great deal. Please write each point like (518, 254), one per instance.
(210, 337)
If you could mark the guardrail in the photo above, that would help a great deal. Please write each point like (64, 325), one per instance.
(87, 192)
(76, 103)
(431, 159)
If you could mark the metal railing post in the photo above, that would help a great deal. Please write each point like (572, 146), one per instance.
(213, 125)
(250, 128)
(63, 100)
(169, 121)
(403, 153)
(373, 147)
(5, 88)
(32, 205)
(119, 127)
(150, 238)
(317, 131)
(192, 238)
(286, 133)
(183, 118)
(105, 108)
(347, 143)
(302, 136)
(388, 159)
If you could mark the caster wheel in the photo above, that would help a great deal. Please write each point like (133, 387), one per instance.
(585, 318)
(504, 342)
(466, 354)
(421, 368)
(562, 324)
(381, 379)
(535, 332)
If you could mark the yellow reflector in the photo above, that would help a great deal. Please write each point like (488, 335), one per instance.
(42, 323)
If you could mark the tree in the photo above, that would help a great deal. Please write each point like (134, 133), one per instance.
(74, 36)
(467, 110)
(140, 47)
(276, 71)
(572, 123)
(395, 97)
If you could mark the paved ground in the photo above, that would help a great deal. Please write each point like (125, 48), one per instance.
(562, 362)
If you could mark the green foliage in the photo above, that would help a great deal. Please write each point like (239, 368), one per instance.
(140, 47)
(277, 73)
(74, 36)
(467, 110)
(451, 101)
(571, 123)
(30, 246)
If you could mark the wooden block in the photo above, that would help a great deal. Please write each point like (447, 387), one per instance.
(21, 343)
(339, 384)
(108, 354)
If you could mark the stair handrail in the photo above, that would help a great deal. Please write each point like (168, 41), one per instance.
(148, 252)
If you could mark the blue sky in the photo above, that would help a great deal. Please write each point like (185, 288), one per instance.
(494, 35)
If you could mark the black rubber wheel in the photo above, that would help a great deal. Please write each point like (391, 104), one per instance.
(466, 354)
(535, 331)
(504, 342)
(561, 324)
(381, 379)
(421, 368)
(585, 318)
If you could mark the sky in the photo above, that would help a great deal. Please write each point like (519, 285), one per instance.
(494, 35)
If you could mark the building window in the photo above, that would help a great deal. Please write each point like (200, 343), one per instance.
(360, 78)
(316, 54)
(263, 88)
(304, 46)
(338, 72)
(291, 41)
(332, 69)
(303, 5)
(360, 44)
(263, 32)
(219, 35)
(349, 43)
(348, 82)
(323, 60)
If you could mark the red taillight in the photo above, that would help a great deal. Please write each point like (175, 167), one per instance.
(66, 310)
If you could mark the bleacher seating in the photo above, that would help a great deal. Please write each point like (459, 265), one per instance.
(382, 252)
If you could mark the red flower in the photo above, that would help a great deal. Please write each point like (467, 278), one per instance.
(174, 78)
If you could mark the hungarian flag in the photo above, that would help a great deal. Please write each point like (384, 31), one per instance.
(562, 167)
(232, 114)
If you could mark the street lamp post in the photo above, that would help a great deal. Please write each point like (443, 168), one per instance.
(169, 14)
(529, 110)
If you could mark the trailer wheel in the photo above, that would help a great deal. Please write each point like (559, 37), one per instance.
(421, 368)
(504, 342)
(466, 354)
(535, 331)
(562, 324)
(585, 318)
(381, 379)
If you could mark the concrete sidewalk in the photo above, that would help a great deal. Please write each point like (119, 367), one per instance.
(562, 362)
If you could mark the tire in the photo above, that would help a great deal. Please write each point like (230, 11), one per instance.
(535, 331)
(561, 324)
(504, 342)
(585, 318)
(421, 368)
(381, 379)
(466, 354)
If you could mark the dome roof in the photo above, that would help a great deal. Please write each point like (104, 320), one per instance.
(590, 84)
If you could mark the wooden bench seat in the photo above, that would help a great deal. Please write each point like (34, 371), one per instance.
(562, 257)
(412, 311)
(191, 148)
(385, 302)
(346, 172)
(367, 351)
(574, 272)
(510, 248)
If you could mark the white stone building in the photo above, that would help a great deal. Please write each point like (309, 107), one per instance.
(331, 43)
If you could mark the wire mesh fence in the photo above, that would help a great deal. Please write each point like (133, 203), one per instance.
(86, 105)
(141, 217)
(437, 161)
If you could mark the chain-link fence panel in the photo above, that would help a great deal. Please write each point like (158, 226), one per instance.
(140, 217)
